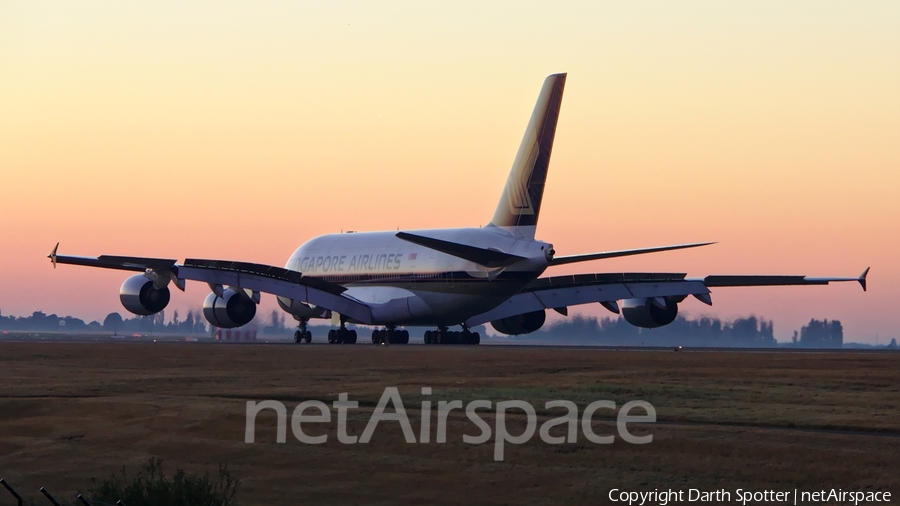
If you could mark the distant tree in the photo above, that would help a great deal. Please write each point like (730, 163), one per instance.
(767, 333)
(113, 322)
(837, 334)
(41, 321)
(74, 324)
(893, 344)
(274, 323)
(145, 323)
(822, 334)
(200, 323)
(188, 325)
(744, 331)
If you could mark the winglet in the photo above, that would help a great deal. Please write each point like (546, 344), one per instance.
(862, 278)
(52, 255)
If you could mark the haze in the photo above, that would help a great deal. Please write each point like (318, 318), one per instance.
(238, 131)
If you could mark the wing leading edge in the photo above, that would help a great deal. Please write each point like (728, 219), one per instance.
(544, 293)
(249, 276)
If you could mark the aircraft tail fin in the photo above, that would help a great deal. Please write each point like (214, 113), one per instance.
(520, 203)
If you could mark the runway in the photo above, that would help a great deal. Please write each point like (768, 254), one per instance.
(70, 411)
(502, 342)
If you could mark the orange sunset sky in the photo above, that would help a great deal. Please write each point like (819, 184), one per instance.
(238, 130)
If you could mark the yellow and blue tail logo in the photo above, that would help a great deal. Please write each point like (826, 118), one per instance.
(520, 204)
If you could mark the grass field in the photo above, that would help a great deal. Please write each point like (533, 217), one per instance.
(758, 421)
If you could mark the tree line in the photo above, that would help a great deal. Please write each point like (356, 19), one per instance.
(749, 332)
(193, 323)
(703, 331)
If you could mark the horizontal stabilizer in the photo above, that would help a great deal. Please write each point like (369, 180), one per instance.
(481, 256)
(622, 253)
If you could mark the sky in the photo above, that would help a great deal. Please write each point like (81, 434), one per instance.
(236, 130)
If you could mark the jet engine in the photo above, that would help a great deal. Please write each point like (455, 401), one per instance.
(139, 296)
(232, 309)
(520, 324)
(651, 312)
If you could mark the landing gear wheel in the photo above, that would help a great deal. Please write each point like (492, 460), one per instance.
(390, 336)
(467, 337)
(444, 336)
(302, 334)
(341, 334)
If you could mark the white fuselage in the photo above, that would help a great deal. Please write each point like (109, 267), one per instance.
(412, 284)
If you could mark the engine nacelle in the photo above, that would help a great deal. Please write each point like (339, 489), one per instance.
(649, 313)
(139, 296)
(520, 324)
(230, 310)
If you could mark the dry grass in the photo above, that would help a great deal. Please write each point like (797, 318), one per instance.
(72, 411)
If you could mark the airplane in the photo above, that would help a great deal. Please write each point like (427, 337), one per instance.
(436, 278)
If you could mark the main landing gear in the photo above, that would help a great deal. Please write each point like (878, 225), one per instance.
(342, 335)
(390, 335)
(302, 335)
(444, 336)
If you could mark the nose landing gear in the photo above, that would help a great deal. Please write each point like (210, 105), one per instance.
(302, 335)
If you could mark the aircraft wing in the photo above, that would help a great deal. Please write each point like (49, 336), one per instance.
(559, 292)
(255, 277)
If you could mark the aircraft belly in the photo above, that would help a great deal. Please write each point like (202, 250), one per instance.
(390, 305)
(421, 306)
